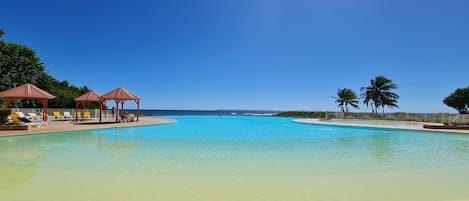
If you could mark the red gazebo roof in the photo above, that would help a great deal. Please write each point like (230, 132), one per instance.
(90, 96)
(119, 94)
(26, 91)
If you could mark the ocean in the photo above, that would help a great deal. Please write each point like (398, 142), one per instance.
(147, 112)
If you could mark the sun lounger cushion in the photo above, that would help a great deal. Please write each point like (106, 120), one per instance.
(32, 123)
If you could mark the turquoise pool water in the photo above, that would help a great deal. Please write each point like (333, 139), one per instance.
(235, 158)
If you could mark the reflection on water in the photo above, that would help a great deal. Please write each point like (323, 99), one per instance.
(15, 154)
(20, 152)
(115, 146)
(22, 157)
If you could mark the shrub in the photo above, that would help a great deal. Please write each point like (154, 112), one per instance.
(366, 117)
(302, 114)
(4, 115)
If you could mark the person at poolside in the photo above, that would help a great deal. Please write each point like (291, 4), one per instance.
(124, 116)
(112, 111)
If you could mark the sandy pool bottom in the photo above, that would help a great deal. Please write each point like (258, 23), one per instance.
(434, 184)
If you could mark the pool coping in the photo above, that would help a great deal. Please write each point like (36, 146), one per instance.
(65, 127)
(414, 128)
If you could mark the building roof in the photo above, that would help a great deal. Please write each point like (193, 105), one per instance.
(120, 94)
(90, 96)
(26, 91)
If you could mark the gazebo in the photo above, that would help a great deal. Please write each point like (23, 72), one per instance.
(28, 91)
(119, 95)
(88, 97)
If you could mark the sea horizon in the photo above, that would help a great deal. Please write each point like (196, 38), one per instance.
(166, 112)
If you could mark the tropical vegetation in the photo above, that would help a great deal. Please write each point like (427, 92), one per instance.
(346, 97)
(4, 116)
(379, 94)
(459, 100)
(19, 64)
(396, 116)
(301, 114)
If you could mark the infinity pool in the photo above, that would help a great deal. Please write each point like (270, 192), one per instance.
(235, 158)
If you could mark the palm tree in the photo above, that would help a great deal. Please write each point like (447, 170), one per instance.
(346, 97)
(379, 94)
(368, 96)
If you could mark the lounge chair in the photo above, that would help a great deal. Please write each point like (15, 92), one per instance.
(67, 115)
(131, 117)
(34, 116)
(21, 115)
(86, 115)
(14, 117)
(126, 117)
(33, 123)
(123, 116)
(37, 119)
(57, 115)
(78, 114)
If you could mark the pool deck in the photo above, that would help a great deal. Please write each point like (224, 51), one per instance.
(65, 126)
(417, 127)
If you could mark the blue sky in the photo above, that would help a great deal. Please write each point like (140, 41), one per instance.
(249, 54)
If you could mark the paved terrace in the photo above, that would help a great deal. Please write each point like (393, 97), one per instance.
(64, 126)
(418, 126)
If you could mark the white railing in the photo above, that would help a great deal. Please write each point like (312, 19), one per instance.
(94, 113)
(445, 118)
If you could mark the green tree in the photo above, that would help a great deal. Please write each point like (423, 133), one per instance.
(62, 90)
(380, 94)
(346, 97)
(459, 100)
(19, 64)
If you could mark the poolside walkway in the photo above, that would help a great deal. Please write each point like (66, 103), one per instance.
(418, 126)
(64, 126)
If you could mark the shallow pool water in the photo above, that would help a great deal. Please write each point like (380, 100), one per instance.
(235, 158)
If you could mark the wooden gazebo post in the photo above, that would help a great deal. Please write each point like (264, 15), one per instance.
(100, 109)
(76, 111)
(138, 108)
(7, 102)
(117, 110)
(105, 106)
(45, 106)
